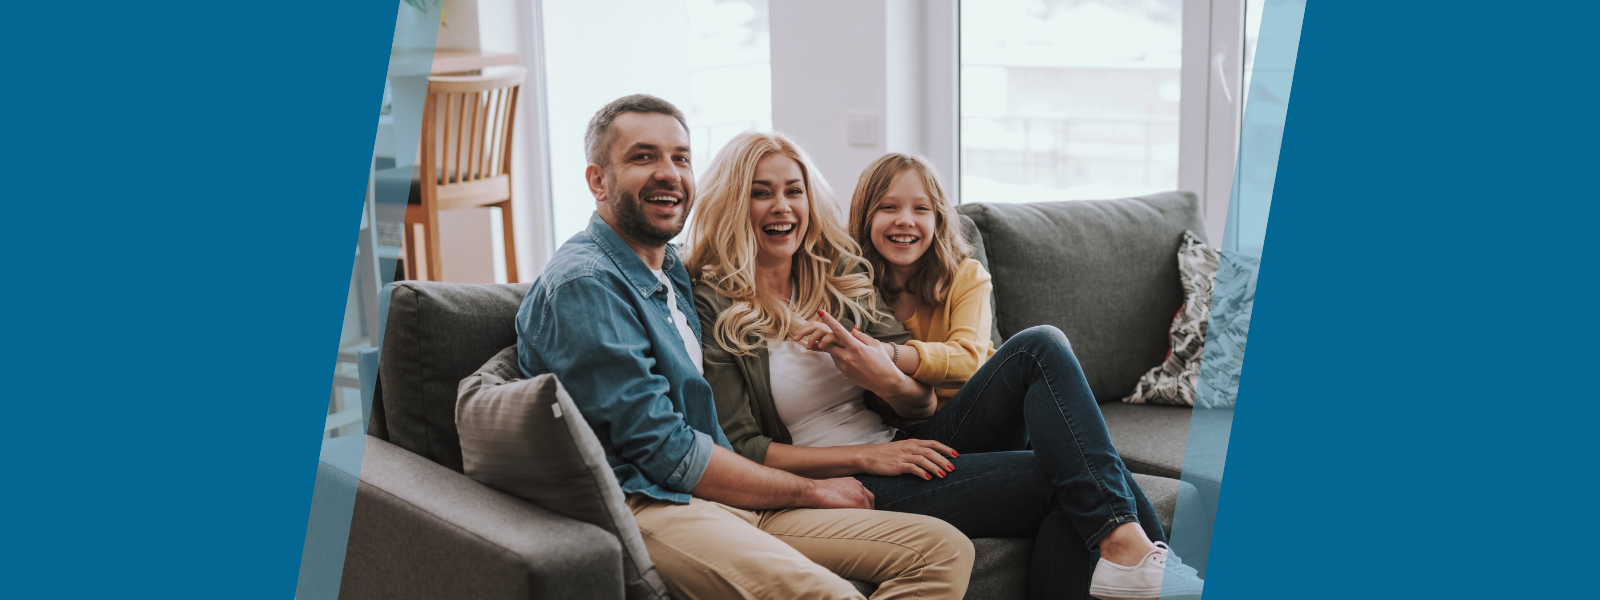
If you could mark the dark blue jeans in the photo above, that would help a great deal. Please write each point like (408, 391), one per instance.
(1067, 492)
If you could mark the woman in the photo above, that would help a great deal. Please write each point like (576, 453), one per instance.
(768, 251)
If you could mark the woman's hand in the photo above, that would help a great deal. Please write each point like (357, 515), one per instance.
(923, 458)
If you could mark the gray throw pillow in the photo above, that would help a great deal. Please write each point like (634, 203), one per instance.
(525, 437)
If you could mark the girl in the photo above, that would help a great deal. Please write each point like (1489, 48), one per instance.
(769, 251)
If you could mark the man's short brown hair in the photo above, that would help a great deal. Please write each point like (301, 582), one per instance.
(597, 139)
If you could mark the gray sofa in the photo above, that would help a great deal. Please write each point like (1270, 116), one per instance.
(1104, 272)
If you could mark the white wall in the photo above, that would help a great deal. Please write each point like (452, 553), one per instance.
(469, 238)
(891, 61)
(460, 28)
(940, 92)
(903, 76)
(578, 40)
(828, 62)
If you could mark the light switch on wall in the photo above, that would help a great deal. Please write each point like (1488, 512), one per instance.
(863, 128)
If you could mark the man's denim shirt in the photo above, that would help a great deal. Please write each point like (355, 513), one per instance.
(598, 318)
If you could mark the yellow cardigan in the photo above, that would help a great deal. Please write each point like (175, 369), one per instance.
(953, 340)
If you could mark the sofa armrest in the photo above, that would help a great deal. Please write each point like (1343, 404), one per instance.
(420, 530)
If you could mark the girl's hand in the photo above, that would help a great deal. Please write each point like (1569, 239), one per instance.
(923, 458)
(861, 358)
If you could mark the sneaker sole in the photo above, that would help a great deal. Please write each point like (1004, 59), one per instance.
(1105, 593)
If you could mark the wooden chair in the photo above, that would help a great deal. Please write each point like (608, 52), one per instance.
(467, 125)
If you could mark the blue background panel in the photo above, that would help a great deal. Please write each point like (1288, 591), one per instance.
(1415, 411)
(183, 190)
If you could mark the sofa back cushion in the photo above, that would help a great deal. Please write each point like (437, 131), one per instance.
(1103, 271)
(436, 335)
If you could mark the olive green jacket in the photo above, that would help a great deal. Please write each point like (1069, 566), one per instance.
(742, 384)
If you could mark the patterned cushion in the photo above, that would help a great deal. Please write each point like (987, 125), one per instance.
(525, 437)
(1173, 381)
(1218, 289)
(1232, 298)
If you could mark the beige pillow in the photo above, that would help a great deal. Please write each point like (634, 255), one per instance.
(525, 437)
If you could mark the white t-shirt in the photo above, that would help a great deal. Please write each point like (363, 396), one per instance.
(690, 343)
(820, 406)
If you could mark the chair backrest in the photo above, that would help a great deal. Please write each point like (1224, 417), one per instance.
(466, 139)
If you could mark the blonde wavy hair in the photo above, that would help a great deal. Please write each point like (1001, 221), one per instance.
(828, 271)
(933, 273)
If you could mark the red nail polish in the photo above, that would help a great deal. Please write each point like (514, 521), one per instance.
(926, 477)
(951, 468)
(957, 454)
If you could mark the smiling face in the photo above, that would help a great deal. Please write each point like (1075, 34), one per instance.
(646, 192)
(780, 208)
(903, 224)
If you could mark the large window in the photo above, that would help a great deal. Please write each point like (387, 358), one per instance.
(1069, 99)
(709, 57)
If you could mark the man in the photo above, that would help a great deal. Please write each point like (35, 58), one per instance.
(612, 318)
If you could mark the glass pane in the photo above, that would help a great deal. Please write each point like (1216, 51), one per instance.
(1069, 99)
(1269, 77)
(708, 57)
(1252, 33)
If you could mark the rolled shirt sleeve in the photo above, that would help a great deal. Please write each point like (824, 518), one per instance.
(693, 465)
(596, 343)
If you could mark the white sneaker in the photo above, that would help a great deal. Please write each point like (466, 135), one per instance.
(1154, 577)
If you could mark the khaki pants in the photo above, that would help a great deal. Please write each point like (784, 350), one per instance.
(705, 550)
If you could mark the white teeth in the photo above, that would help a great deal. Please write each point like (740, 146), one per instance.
(903, 239)
(662, 199)
(779, 228)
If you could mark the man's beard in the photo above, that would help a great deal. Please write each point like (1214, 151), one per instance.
(629, 213)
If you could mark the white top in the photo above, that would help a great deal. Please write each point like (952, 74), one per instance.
(820, 406)
(690, 343)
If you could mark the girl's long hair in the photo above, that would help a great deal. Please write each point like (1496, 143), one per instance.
(934, 272)
(828, 270)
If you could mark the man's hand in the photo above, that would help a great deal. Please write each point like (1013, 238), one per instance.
(841, 492)
(735, 481)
